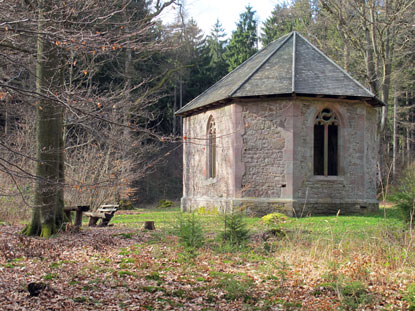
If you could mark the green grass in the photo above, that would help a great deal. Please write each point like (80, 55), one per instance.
(330, 227)
(161, 217)
(166, 217)
(336, 227)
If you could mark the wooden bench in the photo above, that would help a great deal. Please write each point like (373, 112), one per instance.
(104, 212)
(78, 209)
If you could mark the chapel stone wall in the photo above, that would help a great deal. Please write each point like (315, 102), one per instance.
(264, 159)
(267, 149)
(354, 189)
(198, 189)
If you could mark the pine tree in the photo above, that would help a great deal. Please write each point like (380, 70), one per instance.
(217, 47)
(243, 43)
(198, 56)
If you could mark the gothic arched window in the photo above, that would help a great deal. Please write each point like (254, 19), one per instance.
(326, 134)
(211, 148)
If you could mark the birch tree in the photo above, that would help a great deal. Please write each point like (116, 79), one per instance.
(372, 28)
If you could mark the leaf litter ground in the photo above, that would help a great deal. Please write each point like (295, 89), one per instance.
(120, 268)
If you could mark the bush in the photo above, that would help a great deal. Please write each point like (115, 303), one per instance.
(235, 229)
(165, 204)
(126, 205)
(274, 219)
(273, 223)
(404, 195)
(190, 231)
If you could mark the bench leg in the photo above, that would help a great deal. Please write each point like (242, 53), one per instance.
(105, 221)
(78, 219)
(92, 221)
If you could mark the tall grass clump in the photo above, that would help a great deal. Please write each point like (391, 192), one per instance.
(404, 195)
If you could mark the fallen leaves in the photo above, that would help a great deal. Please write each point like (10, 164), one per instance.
(101, 269)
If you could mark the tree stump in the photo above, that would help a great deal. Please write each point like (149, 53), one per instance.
(149, 225)
(35, 288)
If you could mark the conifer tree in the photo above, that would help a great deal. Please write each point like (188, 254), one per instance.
(243, 43)
(217, 47)
(285, 19)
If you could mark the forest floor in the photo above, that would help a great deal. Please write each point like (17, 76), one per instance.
(322, 263)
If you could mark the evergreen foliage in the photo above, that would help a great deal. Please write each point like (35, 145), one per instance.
(404, 195)
(217, 47)
(199, 73)
(190, 232)
(235, 230)
(243, 43)
(285, 19)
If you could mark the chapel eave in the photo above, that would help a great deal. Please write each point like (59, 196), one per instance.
(374, 102)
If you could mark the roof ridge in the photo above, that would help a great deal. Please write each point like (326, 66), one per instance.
(336, 65)
(293, 68)
(261, 64)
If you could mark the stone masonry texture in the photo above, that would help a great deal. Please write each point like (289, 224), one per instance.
(265, 159)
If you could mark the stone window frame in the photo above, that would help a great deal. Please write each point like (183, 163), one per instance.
(211, 149)
(333, 117)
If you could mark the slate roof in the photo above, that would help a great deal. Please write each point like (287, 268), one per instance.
(288, 66)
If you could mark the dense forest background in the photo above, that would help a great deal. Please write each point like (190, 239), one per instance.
(117, 74)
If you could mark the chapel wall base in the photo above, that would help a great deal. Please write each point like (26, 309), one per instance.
(293, 208)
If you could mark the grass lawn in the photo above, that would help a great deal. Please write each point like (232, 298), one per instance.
(334, 226)
(339, 227)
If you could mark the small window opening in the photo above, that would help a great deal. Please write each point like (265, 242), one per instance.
(326, 143)
(211, 149)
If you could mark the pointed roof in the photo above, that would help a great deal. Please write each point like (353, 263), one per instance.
(288, 66)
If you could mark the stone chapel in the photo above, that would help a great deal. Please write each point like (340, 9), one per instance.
(287, 131)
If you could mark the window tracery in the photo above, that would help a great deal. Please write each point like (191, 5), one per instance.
(211, 148)
(326, 134)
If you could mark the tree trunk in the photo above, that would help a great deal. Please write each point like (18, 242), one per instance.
(181, 104)
(60, 204)
(48, 212)
(408, 131)
(174, 109)
(370, 65)
(394, 140)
